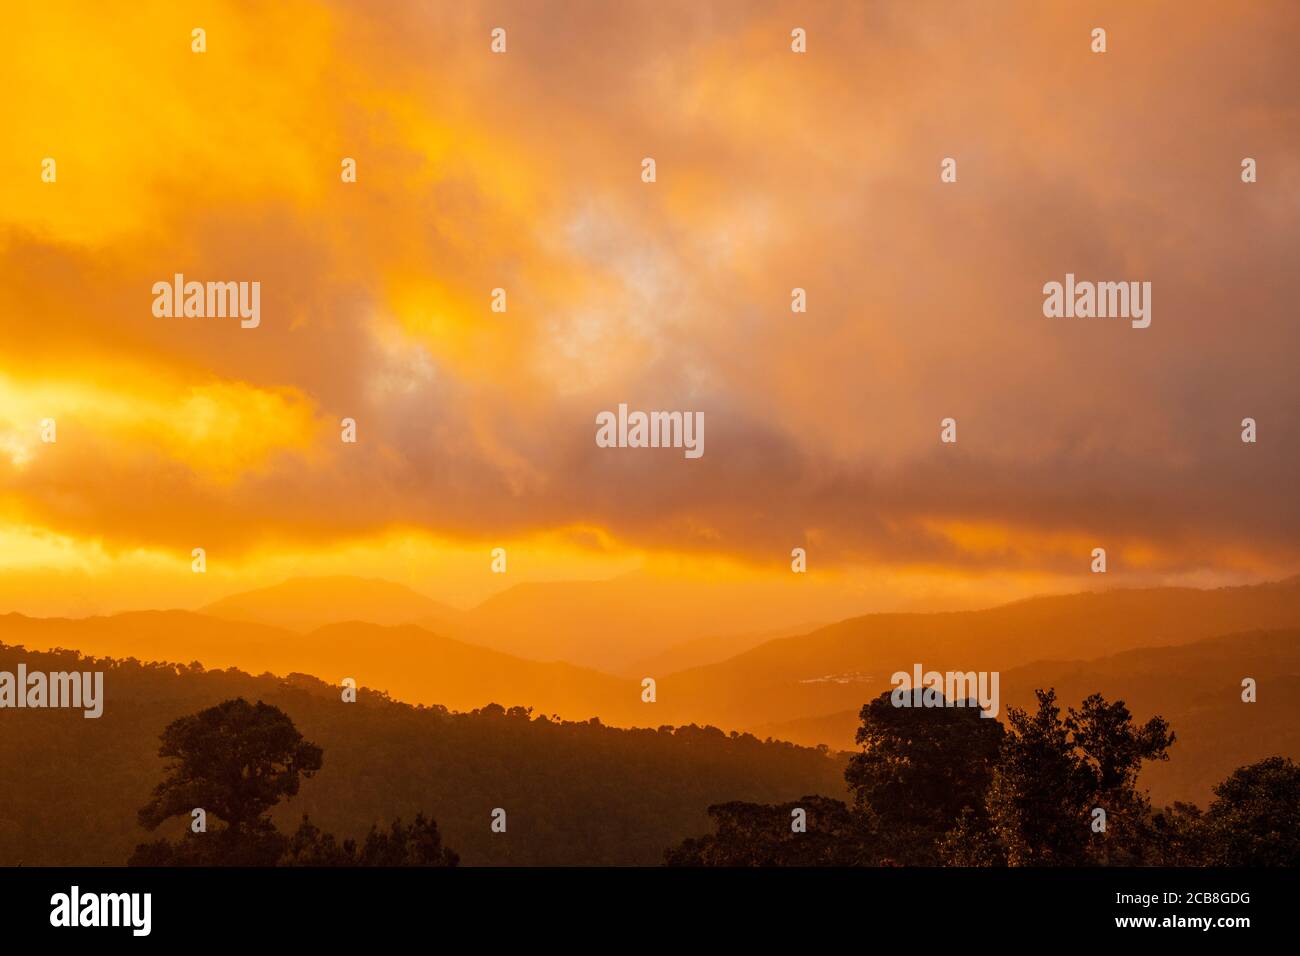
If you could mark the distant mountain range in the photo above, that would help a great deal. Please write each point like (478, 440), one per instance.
(835, 668)
(408, 662)
(304, 604)
(611, 625)
(1176, 651)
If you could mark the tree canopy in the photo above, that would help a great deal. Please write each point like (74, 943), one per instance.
(940, 784)
(235, 762)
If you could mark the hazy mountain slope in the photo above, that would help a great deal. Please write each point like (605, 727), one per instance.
(610, 625)
(304, 604)
(613, 625)
(707, 650)
(785, 687)
(412, 664)
(837, 667)
(574, 793)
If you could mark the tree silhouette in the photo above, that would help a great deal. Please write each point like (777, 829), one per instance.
(419, 844)
(1254, 819)
(1113, 747)
(945, 785)
(235, 761)
(1053, 773)
(1175, 836)
(920, 769)
(312, 846)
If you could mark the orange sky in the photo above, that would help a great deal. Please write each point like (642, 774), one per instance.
(522, 171)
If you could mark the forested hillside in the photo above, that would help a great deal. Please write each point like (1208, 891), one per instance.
(574, 793)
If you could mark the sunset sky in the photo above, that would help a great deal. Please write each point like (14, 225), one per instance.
(523, 171)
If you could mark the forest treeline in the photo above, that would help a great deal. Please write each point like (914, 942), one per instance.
(575, 793)
(393, 784)
(944, 786)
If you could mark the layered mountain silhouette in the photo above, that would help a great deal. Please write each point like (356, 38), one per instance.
(611, 625)
(836, 668)
(713, 649)
(304, 604)
(410, 663)
(1174, 651)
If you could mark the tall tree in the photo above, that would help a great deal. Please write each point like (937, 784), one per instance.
(919, 769)
(235, 761)
(1054, 774)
